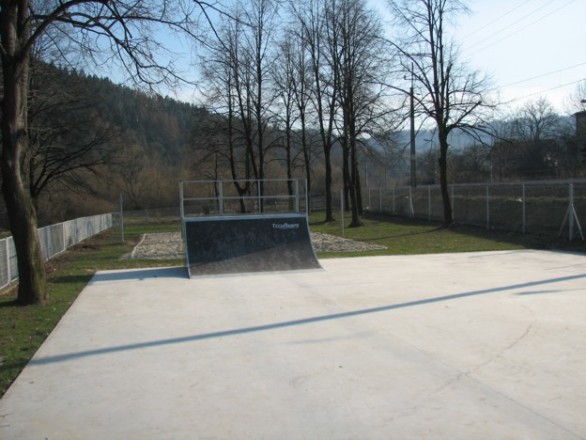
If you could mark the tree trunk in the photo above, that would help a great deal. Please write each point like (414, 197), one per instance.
(443, 167)
(354, 178)
(329, 207)
(289, 162)
(306, 157)
(15, 31)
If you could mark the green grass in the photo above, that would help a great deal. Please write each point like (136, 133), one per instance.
(23, 329)
(407, 237)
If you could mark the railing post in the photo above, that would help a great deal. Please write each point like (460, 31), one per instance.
(8, 274)
(258, 195)
(571, 210)
(63, 237)
(181, 207)
(429, 203)
(122, 212)
(453, 203)
(296, 185)
(342, 210)
(380, 200)
(306, 199)
(487, 207)
(523, 200)
(369, 203)
(221, 197)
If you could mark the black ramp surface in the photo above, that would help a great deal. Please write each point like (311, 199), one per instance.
(220, 245)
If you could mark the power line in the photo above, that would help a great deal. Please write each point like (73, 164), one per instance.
(542, 75)
(523, 28)
(496, 19)
(544, 91)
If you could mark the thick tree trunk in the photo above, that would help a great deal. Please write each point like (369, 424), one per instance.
(443, 167)
(15, 31)
(354, 180)
(32, 285)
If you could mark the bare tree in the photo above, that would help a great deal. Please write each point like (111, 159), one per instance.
(445, 90)
(103, 31)
(576, 101)
(360, 75)
(534, 143)
(284, 78)
(236, 69)
(67, 135)
(319, 37)
(535, 121)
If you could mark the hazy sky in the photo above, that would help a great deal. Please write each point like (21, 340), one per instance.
(531, 48)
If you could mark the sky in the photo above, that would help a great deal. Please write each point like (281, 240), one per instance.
(530, 48)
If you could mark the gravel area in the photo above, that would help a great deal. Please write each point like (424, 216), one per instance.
(165, 246)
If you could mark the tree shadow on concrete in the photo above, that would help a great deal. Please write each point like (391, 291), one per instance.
(303, 321)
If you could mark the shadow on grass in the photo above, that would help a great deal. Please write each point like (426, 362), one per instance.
(13, 303)
(66, 279)
(526, 241)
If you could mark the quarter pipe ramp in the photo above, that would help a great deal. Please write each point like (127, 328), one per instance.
(251, 243)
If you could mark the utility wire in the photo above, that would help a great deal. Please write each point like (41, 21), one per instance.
(544, 75)
(496, 19)
(523, 28)
(543, 91)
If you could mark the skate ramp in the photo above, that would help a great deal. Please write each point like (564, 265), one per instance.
(240, 244)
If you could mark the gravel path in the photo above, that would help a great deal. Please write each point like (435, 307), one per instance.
(165, 246)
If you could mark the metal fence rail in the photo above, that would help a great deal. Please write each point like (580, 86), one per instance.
(55, 239)
(221, 197)
(552, 208)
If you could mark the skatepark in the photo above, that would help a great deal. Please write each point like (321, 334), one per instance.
(451, 346)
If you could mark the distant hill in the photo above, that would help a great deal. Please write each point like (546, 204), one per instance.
(161, 125)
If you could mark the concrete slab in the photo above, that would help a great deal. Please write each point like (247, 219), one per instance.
(458, 346)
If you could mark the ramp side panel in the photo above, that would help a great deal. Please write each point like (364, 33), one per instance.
(222, 245)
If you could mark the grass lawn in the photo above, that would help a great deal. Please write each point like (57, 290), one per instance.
(23, 329)
(408, 236)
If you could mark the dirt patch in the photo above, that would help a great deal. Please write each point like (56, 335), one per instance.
(167, 246)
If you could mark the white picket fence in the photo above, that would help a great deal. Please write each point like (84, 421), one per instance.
(55, 239)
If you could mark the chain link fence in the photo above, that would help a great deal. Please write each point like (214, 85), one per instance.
(54, 239)
(556, 208)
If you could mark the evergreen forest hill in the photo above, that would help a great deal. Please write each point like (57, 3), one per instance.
(93, 139)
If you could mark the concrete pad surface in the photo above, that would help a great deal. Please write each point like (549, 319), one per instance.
(453, 346)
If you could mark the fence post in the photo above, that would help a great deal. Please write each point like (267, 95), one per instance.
(122, 213)
(296, 184)
(221, 197)
(453, 203)
(63, 237)
(429, 202)
(523, 200)
(573, 216)
(380, 199)
(394, 201)
(258, 195)
(487, 207)
(307, 210)
(571, 208)
(8, 274)
(342, 210)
